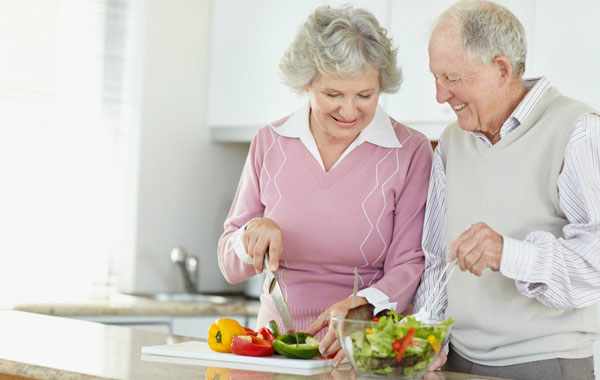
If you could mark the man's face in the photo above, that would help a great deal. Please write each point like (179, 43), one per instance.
(470, 88)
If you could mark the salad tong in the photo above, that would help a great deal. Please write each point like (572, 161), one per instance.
(424, 314)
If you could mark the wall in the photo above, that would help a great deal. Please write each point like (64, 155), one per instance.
(260, 31)
(185, 182)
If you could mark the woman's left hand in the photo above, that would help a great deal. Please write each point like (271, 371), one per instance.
(329, 344)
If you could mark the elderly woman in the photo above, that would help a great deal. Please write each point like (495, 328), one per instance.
(337, 185)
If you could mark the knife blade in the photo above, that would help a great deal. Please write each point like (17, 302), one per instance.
(277, 296)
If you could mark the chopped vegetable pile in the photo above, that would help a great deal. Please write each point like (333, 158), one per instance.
(227, 335)
(398, 344)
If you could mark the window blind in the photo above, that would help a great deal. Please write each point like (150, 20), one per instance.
(67, 145)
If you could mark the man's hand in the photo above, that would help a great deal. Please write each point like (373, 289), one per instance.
(329, 344)
(438, 362)
(263, 235)
(477, 248)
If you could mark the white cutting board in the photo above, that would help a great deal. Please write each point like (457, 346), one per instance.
(200, 350)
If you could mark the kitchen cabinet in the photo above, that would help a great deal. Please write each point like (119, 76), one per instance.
(190, 326)
(147, 323)
(249, 38)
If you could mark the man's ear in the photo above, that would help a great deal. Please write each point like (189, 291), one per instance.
(504, 68)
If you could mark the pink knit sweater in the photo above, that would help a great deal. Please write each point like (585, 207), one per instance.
(366, 212)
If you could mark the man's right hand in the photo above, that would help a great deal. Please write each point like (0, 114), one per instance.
(263, 235)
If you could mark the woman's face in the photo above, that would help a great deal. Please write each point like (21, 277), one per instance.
(340, 108)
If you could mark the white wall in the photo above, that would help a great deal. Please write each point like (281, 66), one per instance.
(185, 182)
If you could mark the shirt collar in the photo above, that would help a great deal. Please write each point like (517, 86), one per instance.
(380, 130)
(537, 87)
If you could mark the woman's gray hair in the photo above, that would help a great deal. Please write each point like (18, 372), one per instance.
(340, 42)
(488, 30)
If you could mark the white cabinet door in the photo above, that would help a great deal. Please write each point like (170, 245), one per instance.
(249, 38)
(247, 42)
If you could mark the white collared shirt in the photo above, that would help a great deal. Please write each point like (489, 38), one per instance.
(379, 132)
(576, 250)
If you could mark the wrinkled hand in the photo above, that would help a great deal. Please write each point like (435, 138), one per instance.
(477, 248)
(434, 376)
(263, 235)
(329, 344)
(438, 362)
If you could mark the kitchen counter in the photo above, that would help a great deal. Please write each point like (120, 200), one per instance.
(115, 304)
(34, 346)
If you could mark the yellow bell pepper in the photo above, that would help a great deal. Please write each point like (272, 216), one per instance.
(221, 333)
(434, 343)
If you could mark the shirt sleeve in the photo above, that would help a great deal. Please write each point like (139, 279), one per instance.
(434, 240)
(237, 243)
(564, 272)
(245, 207)
(378, 299)
(403, 264)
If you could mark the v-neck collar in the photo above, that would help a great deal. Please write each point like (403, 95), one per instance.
(379, 132)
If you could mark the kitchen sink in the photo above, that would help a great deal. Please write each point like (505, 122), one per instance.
(190, 297)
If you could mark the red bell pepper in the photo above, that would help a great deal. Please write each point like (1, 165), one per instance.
(328, 356)
(249, 345)
(250, 331)
(267, 334)
(405, 341)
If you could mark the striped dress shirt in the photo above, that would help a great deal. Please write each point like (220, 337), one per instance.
(561, 272)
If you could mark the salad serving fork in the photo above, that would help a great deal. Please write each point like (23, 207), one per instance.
(424, 313)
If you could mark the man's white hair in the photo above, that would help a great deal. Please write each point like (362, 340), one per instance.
(488, 30)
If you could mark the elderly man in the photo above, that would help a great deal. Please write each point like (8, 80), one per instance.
(515, 187)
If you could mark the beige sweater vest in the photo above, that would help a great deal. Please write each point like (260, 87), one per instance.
(512, 186)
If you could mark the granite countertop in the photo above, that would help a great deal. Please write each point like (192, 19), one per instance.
(115, 304)
(35, 346)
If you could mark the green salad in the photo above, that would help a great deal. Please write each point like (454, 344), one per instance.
(394, 343)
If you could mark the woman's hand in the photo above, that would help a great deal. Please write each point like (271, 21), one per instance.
(261, 236)
(329, 344)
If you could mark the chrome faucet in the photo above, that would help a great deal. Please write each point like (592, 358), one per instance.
(189, 268)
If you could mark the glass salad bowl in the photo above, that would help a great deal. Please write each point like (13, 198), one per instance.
(392, 345)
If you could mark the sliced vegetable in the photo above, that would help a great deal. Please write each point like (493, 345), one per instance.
(434, 343)
(396, 345)
(273, 327)
(405, 341)
(249, 331)
(249, 345)
(304, 347)
(328, 356)
(378, 352)
(266, 334)
(221, 333)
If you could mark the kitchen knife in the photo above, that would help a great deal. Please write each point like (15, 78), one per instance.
(277, 296)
